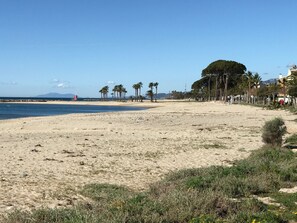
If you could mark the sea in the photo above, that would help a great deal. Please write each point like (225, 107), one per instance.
(10, 110)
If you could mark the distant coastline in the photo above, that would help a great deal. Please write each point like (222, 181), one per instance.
(41, 99)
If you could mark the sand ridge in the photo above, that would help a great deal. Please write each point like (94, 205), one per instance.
(44, 160)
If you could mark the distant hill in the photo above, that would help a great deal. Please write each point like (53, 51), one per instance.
(55, 95)
(162, 96)
(270, 81)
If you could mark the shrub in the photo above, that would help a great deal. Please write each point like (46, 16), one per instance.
(292, 139)
(273, 132)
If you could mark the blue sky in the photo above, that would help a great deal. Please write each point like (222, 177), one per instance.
(78, 46)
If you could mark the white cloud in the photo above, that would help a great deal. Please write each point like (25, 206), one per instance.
(60, 84)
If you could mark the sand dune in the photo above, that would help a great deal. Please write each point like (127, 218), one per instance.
(45, 160)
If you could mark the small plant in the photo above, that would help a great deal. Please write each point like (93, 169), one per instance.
(291, 139)
(273, 132)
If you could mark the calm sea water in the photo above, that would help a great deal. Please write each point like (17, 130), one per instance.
(14, 110)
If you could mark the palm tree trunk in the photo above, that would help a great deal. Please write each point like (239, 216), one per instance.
(216, 90)
(249, 93)
(209, 88)
(226, 87)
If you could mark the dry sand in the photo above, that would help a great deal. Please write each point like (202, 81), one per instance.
(45, 160)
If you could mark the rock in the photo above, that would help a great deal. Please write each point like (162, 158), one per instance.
(289, 190)
(24, 174)
(81, 163)
(289, 146)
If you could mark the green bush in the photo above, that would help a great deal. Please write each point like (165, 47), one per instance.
(273, 132)
(292, 139)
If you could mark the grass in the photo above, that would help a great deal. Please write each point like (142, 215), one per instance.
(215, 194)
(292, 139)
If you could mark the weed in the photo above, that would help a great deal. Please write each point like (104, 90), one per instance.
(291, 139)
(273, 132)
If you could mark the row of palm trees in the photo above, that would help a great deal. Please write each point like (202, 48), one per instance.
(137, 87)
(251, 82)
(119, 91)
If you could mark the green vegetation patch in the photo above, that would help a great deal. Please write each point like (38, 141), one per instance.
(273, 132)
(292, 140)
(213, 194)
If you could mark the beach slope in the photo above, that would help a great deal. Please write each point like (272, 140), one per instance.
(45, 160)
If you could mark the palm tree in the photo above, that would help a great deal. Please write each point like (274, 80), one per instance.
(156, 86)
(135, 86)
(140, 86)
(249, 78)
(151, 85)
(124, 91)
(150, 93)
(121, 90)
(256, 82)
(101, 93)
(115, 91)
(104, 92)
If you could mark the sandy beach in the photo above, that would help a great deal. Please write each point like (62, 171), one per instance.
(44, 161)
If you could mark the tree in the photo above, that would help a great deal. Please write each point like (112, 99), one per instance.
(252, 83)
(101, 93)
(114, 90)
(283, 85)
(136, 87)
(209, 87)
(256, 83)
(292, 86)
(249, 78)
(224, 70)
(151, 85)
(140, 84)
(104, 92)
(156, 87)
(199, 88)
(150, 94)
(273, 89)
(119, 90)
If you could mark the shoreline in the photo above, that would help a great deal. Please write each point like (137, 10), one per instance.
(99, 103)
(44, 160)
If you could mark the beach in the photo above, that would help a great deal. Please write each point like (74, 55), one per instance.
(44, 161)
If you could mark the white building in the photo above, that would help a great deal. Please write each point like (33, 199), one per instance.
(292, 69)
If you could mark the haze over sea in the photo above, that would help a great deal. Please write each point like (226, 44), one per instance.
(22, 110)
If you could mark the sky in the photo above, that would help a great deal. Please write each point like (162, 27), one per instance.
(79, 46)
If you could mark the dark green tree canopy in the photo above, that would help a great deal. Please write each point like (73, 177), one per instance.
(221, 67)
(221, 78)
(200, 83)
